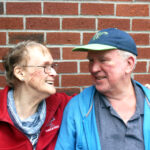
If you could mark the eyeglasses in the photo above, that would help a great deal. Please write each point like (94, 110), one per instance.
(47, 68)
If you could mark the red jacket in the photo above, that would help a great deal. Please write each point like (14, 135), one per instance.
(12, 138)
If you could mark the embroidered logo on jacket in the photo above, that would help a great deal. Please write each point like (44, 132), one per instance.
(51, 126)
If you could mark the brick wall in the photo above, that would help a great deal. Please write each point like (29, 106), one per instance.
(65, 24)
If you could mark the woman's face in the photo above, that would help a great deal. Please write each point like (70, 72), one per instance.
(36, 78)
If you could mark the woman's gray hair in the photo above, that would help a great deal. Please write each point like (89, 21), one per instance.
(17, 55)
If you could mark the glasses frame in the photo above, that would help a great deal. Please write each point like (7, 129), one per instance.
(47, 68)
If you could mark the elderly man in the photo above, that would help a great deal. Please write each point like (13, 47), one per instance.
(113, 114)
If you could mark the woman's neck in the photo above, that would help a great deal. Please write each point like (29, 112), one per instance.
(26, 102)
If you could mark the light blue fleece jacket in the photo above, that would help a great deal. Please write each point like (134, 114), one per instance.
(79, 130)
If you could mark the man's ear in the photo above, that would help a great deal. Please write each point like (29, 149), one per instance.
(19, 73)
(130, 64)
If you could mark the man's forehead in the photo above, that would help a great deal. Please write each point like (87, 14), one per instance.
(101, 51)
(97, 54)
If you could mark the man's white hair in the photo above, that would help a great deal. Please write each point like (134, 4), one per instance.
(126, 55)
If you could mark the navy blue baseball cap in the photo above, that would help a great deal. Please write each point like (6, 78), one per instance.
(108, 39)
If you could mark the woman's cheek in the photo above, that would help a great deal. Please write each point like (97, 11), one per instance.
(36, 75)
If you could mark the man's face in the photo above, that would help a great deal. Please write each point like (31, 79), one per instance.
(35, 77)
(107, 69)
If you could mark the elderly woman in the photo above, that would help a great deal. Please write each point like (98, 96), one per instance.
(30, 111)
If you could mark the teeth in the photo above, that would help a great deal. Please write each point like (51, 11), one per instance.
(49, 82)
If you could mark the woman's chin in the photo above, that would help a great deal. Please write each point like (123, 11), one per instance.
(52, 91)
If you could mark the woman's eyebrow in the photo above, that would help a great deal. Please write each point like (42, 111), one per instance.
(47, 63)
(88, 57)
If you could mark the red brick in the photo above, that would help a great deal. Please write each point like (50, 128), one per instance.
(69, 54)
(42, 23)
(63, 38)
(15, 37)
(149, 68)
(11, 23)
(3, 52)
(143, 0)
(55, 53)
(143, 53)
(67, 67)
(141, 24)
(2, 38)
(60, 8)
(68, 91)
(57, 80)
(132, 10)
(3, 81)
(141, 39)
(143, 78)
(1, 8)
(87, 37)
(76, 80)
(97, 9)
(140, 67)
(78, 23)
(84, 67)
(24, 8)
(123, 24)
(120, 0)
(1, 67)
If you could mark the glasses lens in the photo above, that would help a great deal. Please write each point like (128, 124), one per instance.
(48, 69)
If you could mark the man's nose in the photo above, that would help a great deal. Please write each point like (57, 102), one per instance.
(95, 67)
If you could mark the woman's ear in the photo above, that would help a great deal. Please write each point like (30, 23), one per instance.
(19, 73)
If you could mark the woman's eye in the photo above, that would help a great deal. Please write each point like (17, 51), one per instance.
(90, 60)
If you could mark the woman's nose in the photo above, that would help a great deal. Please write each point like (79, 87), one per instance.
(53, 72)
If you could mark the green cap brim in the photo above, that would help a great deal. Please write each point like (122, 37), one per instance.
(93, 47)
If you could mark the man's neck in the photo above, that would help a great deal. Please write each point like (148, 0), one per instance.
(124, 102)
(120, 91)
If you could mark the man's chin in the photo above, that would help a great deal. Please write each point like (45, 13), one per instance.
(100, 88)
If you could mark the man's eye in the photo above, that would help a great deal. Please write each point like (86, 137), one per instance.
(102, 60)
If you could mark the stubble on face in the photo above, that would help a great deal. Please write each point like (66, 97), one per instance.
(110, 71)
